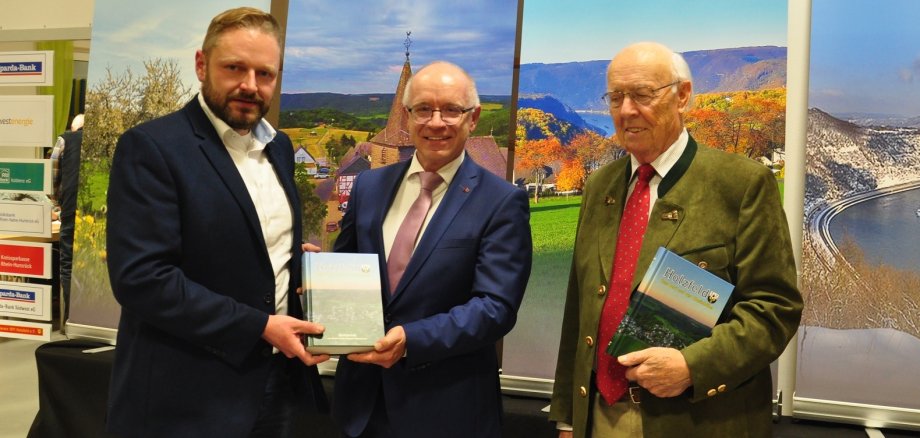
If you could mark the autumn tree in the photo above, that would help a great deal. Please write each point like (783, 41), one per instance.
(572, 175)
(592, 151)
(534, 156)
(751, 123)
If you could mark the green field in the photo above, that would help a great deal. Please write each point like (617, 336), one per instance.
(315, 139)
(552, 223)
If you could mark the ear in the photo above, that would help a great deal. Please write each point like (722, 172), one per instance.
(201, 65)
(684, 91)
(474, 117)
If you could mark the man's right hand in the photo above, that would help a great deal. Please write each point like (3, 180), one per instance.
(284, 333)
(565, 434)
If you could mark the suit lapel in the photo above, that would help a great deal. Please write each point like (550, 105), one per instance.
(461, 188)
(216, 154)
(614, 200)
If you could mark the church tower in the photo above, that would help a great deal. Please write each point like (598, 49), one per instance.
(393, 144)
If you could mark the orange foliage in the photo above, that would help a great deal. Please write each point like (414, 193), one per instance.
(745, 122)
(571, 176)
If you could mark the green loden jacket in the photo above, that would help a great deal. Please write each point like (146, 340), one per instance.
(713, 207)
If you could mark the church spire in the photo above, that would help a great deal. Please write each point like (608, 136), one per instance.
(407, 43)
(396, 132)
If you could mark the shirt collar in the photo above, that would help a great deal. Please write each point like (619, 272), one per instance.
(447, 171)
(668, 158)
(263, 133)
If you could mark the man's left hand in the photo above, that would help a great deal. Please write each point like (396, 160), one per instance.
(662, 371)
(387, 350)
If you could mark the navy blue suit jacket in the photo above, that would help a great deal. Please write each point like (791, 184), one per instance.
(189, 266)
(459, 295)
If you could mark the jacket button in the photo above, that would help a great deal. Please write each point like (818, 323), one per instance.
(387, 318)
(722, 388)
(602, 289)
(703, 264)
(589, 340)
(582, 391)
(267, 298)
(711, 392)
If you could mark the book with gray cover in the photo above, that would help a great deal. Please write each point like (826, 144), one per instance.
(341, 291)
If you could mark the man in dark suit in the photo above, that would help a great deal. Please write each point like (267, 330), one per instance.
(65, 159)
(722, 212)
(203, 255)
(435, 372)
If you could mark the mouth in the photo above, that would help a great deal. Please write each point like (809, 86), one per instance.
(433, 138)
(634, 130)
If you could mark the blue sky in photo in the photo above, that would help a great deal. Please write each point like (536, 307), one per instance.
(125, 34)
(356, 47)
(865, 56)
(586, 30)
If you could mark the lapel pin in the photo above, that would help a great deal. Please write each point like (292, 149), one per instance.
(466, 189)
(670, 216)
(609, 201)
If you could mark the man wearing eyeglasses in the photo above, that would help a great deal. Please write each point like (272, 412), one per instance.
(453, 282)
(722, 212)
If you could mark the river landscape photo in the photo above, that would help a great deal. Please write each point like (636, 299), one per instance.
(861, 242)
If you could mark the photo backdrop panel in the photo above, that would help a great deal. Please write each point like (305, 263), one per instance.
(341, 100)
(160, 67)
(860, 264)
(564, 130)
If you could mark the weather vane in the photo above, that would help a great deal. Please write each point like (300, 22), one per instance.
(407, 43)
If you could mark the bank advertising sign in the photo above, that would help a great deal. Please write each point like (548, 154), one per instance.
(23, 218)
(27, 68)
(25, 330)
(23, 175)
(25, 259)
(25, 300)
(26, 121)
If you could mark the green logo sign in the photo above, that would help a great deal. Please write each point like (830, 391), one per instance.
(22, 176)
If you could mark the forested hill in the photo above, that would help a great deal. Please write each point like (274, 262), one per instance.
(579, 85)
(354, 104)
(845, 159)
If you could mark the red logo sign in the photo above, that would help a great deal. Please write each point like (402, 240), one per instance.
(22, 260)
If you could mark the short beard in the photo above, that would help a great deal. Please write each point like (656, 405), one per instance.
(220, 105)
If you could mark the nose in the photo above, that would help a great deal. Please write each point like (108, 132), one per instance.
(436, 116)
(248, 82)
(629, 106)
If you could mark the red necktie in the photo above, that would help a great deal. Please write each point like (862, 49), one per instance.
(404, 243)
(611, 376)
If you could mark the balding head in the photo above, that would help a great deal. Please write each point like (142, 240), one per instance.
(649, 88)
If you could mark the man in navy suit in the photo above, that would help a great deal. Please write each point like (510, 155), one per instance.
(435, 372)
(203, 247)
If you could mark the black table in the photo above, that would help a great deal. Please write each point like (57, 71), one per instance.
(73, 389)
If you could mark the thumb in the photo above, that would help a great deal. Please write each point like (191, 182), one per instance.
(634, 358)
(311, 328)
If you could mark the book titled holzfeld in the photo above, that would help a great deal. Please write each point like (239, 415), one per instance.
(676, 304)
(342, 292)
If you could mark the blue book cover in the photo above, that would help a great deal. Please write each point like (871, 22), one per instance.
(676, 304)
(342, 292)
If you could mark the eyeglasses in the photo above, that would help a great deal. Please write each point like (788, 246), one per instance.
(641, 96)
(450, 115)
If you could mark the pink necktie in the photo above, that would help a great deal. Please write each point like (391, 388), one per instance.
(611, 376)
(404, 243)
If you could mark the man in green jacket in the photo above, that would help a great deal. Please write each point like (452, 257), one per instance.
(722, 212)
